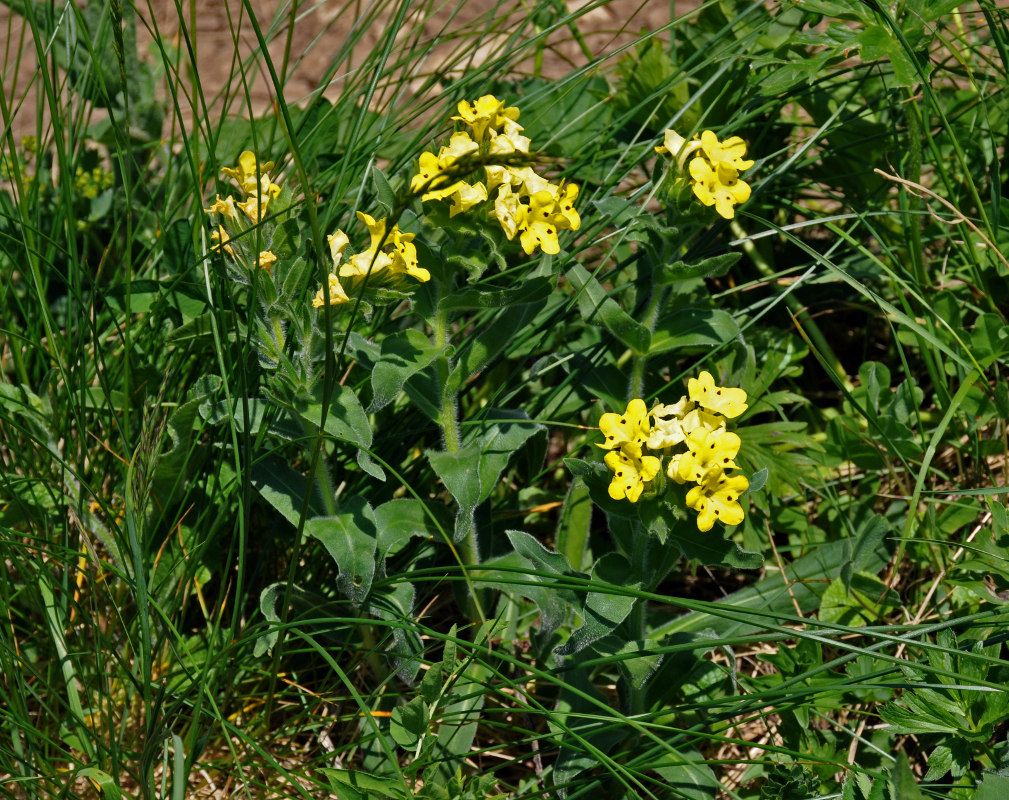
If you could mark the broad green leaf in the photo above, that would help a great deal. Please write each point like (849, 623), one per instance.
(400, 520)
(283, 487)
(713, 267)
(693, 328)
(352, 784)
(993, 786)
(687, 775)
(346, 419)
(471, 474)
(603, 611)
(867, 601)
(528, 291)
(635, 670)
(595, 305)
(351, 538)
(403, 355)
(902, 783)
(409, 722)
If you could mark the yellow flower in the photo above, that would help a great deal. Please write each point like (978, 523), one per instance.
(337, 294)
(714, 169)
(631, 471)
(221, 237)
(250, 174)
(369, 262)
(719, 187)
(487, 112)
(337, 244)
(509, 210)
(721, 400)
(224, 208)
(717, 498)
(466, 196)
(266, 260)
(631, 427)
(404, 255)
(431, 178)
(708, 449)
(255, 206)
(550, 210)
(730, 152)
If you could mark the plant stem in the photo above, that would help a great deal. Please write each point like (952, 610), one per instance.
(636, 384)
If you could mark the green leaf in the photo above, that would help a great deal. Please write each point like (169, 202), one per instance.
(687, 775)
(713, 267)
(473, 298)
(693, 328)
(352, 784)
(902, 783)
(409, 722)
(993, 786)
(603, 611)
(386, 196)
(867, 601)
(595, 305)
(351, 538)
(471, 474)
(346, 419)
(283, 487)
(403, 355)
(400, 520)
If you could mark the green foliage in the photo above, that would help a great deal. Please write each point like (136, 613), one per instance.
(316, 517)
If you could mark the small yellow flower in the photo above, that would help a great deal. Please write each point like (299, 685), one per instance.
(266, 260)
(221, 237)
(714, 168)
(631, 427)
(337, 294)
(707, 450)
(337, 244)
(717, 498)
(255, 207)
(370, 262)
(631, 472)
(466, 196)
(719, 187)
(249, 174)
(727, 402)
(730, 152)
(223, 207)
(487, 112)
(431, 178)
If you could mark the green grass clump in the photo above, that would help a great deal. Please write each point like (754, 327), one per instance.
(396, 459)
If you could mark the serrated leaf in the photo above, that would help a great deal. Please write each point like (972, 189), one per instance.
(902, 783)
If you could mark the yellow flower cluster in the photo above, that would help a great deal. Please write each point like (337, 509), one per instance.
(91, 183)
(258, 188)
(698, 422)
(390, 255)
(526, 204)
(714, 169)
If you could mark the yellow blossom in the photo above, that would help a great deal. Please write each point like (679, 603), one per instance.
(223, 207)
(250, 175)
(631, 427)
(487, 112)
(337, 294)
(431, 178)
(707, 449)
(631, 472)
(720, 187)
(266, 260)
(717, 498)
(466, 196)
(221, 237)
(725, 401)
